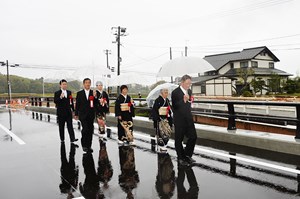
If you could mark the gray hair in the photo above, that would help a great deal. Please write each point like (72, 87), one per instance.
(185, 77)
(99, 83)
(163, 89)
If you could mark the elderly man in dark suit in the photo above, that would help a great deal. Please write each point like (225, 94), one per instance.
(183, 121)
(85, 112)
(64, 104)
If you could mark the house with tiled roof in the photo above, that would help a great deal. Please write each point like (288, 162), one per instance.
(227, 65)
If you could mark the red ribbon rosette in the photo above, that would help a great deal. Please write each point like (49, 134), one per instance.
(102, 101)
(168, 110)
(91, 98)
(192, 99)
(129, 105)
(71, 98)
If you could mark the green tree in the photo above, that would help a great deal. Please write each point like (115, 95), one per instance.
(275, 83)
(243, 75)
(290, 86)
(258, 85)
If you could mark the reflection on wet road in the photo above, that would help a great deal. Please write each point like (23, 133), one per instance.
(45, 168)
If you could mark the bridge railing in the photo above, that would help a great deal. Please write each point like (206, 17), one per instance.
(229, 113)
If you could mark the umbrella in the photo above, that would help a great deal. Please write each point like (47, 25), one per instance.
(130, 78)
(94, 73)
(56, 76)
(154, 93)
(184, 65)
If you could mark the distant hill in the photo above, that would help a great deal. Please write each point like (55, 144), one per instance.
(26, 85)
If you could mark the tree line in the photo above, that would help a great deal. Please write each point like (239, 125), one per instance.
(26, 85)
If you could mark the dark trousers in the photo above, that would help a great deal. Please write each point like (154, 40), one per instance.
(185, 128)
(87, 132)
(61, 122)
(121, 131)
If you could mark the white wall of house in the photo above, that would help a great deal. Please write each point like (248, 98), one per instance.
(224, 69)
(196, 89)
(219, 87)
(266, 57)
(263, 63)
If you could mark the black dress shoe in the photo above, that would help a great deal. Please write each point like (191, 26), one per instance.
(190, 160)
(75, 140)
(90, 150)
(183, 163)
(75, 145)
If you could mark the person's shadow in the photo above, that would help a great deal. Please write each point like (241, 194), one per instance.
(193, 191)
(105, 170)
(129, 177)
(90, 188)
(69, 170)
(165, 178)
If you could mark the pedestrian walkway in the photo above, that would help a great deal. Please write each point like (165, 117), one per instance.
(45, 168)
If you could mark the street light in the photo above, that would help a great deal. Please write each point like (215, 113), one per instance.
(118, 32)
(7, 76)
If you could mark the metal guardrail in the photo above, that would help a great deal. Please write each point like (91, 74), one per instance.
(231, 114)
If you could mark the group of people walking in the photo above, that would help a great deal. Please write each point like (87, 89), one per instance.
(94, 104)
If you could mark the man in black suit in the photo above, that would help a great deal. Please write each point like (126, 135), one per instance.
(64, 104)
(183, 121)
(85, 112)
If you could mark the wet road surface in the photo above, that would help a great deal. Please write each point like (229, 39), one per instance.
(45, 168)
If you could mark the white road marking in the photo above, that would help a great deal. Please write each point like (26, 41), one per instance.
(256, 162)
(16, 138)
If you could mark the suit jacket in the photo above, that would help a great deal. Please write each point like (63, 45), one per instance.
(83, 108)
(102, 109)
(182, 110)
(126, 115)
(63, 106)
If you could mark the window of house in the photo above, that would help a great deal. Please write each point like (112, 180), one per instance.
(271, 65)
(263, 53)
(244, 64)
(203, 88)
(231, 65)
(254, 64)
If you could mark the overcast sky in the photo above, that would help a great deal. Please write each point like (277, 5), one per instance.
(62, 34)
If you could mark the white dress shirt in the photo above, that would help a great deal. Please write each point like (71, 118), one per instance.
(65, 93)
(87, 93)
(183, 90)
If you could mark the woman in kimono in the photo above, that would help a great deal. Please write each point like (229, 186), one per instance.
(102, 108)
(162, 119)
(124, 111)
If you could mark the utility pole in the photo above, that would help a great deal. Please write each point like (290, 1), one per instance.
(43, 81)
(107, 52)
(8, 82)
(119, 31)
(7, 77)
(185, 49)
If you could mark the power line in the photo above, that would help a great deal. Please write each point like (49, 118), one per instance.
(243, 9)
